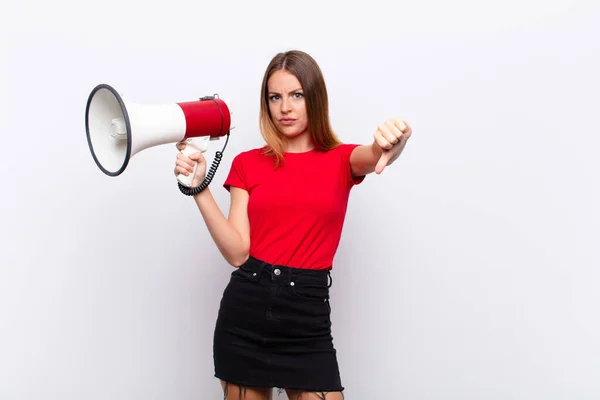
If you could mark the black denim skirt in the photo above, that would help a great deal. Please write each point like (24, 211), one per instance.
(274, 329)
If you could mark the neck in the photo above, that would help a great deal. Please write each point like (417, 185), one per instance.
(300, 143)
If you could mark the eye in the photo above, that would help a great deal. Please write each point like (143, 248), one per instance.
(274, 97)
(298, 95)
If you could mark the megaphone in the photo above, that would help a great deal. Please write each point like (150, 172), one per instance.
(117, 129)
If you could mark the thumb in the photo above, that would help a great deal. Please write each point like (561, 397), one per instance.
(383, 161)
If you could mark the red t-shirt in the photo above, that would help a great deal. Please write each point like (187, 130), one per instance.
(296, 211)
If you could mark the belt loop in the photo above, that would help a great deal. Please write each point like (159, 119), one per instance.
(330, 279)
(261, 267)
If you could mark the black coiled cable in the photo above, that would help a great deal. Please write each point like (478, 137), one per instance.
(210, 174)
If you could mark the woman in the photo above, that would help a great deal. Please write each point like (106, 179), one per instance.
(288, 204)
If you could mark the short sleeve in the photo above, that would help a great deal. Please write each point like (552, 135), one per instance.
(345, 152)
(237, 176)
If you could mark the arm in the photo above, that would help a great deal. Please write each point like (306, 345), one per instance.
(232, 235)
(364, 159)
(389, 141)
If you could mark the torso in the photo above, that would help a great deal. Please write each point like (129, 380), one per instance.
(296, 211)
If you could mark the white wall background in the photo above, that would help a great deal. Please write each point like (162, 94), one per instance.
(466, 271)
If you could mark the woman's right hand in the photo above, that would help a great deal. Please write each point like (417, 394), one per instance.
(185, 165)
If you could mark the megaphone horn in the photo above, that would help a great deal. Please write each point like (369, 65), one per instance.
(117, 129)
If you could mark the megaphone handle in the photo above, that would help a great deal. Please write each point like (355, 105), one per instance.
(210, 173)
(188, 150)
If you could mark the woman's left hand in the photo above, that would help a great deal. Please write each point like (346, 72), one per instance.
(391, 137)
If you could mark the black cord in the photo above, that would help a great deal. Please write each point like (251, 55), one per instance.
(210, 174)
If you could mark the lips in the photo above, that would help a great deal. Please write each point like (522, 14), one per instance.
(287, 121)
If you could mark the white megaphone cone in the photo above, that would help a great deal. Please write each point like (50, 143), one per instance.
(117, 130)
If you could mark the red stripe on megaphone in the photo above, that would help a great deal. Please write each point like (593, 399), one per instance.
(208, 117)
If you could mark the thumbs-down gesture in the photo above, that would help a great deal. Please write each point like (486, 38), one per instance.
(391, 137)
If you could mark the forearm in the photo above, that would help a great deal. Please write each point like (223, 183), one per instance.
(228, 240)
(364, 159)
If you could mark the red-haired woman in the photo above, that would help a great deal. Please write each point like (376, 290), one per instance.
(288, 204)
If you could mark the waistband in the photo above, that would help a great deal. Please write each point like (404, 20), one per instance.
(286, 273)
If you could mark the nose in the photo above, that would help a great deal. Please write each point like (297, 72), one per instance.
(285, 105)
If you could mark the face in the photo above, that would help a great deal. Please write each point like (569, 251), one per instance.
(286, 104)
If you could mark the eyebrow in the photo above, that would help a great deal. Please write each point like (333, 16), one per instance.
(292, 91)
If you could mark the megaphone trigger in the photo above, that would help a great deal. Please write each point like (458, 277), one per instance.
(192, 146)
(210, 173)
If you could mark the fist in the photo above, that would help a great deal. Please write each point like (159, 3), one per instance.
(391, 137)
(185, 165)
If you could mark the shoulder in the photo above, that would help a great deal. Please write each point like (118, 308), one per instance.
(347, 146)
(242, 166)
(344, 150)
(250, 153)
